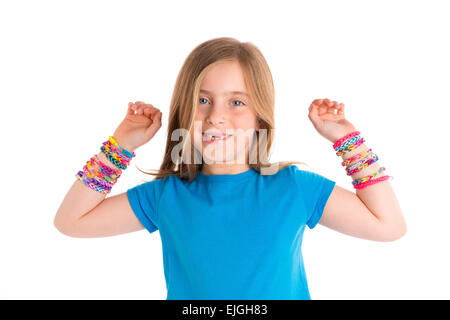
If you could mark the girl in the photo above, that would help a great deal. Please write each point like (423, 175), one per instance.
(231, 223)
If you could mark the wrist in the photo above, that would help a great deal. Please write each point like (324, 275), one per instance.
(124, 144)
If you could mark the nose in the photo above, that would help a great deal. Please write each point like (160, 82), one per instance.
(217, 114)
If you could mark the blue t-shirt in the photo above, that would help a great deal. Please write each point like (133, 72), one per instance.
(235, 237)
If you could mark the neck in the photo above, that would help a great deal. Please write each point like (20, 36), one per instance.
(219, 168)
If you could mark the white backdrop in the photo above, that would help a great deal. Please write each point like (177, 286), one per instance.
(69, 68)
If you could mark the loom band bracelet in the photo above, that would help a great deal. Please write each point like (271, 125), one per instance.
(356, 157)
(114, 161)
(119, 159)
(117, 149)
(93, 187)
(358, 182)
(99, 184)
(337, 145)
(367, 183)
(113, 173)
(127, 153)
(374, 175)
(119, 155)
(364, 165)
(117, 163)
(117, 152)
(366, 158)
(88, 172)
(107, 173)
(341, 140)
(95, 182)
(369, 177)
(352, 166)
(97, 174)
(115, 156)
(360, 157)
(350, 148)
(109, 148)
(102, 176)
(347, 143)
(371, 182)
(90, 185)
(348, 136)
(121, 149)
(361, 166)
(92, 172)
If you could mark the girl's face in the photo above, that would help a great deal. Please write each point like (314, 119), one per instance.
(224, 109)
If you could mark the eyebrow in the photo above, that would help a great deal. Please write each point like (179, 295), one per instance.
(226, 93)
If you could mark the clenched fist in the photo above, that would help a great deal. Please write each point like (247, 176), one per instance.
(141, 123)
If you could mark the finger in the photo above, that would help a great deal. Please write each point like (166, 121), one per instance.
(140, 109)
(150, 112)
(332, 107)
(140, 105)
(130, 110)
(143, 104)
(317, 101)
(333, 104)
(147, 112)
(146, 105)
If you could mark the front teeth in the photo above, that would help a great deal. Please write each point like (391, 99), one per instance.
(209, 137)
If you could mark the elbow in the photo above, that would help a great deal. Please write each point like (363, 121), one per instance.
(61, 227)
(396, 233)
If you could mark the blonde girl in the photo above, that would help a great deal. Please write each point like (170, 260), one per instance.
(231, 223)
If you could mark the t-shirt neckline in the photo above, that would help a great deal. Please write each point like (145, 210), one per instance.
(227, 177)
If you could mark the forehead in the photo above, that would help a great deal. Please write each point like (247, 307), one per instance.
(224, 78)
(224, 93)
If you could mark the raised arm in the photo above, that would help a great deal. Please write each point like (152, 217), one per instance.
(86, 212)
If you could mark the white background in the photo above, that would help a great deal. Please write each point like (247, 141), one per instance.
(68, 70)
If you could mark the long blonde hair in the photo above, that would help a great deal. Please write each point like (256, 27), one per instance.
(183, 106)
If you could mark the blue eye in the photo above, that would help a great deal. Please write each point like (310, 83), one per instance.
(201, 99)
(240, 102)
(233, 101)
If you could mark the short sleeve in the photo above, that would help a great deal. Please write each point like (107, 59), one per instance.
(144, 200)
(316, 189)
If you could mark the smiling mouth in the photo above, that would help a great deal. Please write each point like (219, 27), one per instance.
(212, 138)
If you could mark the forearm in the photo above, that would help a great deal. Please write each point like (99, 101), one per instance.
(79, 200)
(379, 197)
(93, 183)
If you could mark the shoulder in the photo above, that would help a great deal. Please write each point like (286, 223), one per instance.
(153, 185)
(305, 178)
